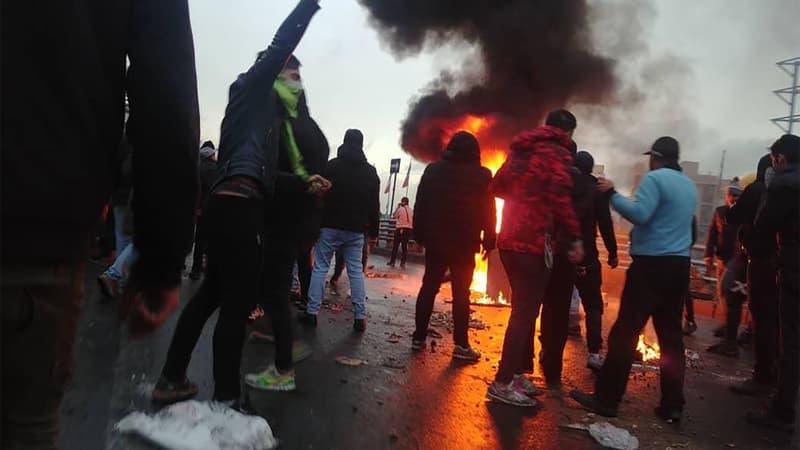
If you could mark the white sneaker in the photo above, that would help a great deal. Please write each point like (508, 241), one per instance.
(595, 361)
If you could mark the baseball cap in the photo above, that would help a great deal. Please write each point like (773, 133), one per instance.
(665, 147)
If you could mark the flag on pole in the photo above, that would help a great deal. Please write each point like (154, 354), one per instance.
(408, 176)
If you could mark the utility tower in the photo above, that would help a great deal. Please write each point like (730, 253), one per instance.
(790, 95)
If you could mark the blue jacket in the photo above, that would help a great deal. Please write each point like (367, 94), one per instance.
(661, 214)
(250, 130)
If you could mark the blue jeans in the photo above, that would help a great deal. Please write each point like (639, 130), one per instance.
(122, 238)
(122, 265)
(351, 245)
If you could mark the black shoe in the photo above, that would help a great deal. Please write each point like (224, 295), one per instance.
(745, 338)
(402, 265)
(390, 264)
(668, 415)
(719, 332)
(752, 388)
(689, 327)
(360, 325)
(725, 348)
(166, 392)
(589, 401)
(768, 419)
(307, 319)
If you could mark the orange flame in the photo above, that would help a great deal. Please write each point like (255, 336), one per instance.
(649, 352)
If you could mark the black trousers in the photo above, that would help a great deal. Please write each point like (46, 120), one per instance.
(655, 286)
(785, 400)
(762, 280)
(689, 303)
(200, 245)
(555, 318)
(401, 237)
(280, 255)
(528, 277)
(733, 286)
(461, 265)
(589, 284)
(235, 234)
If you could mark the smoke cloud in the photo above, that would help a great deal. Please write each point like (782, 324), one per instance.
(525, 58)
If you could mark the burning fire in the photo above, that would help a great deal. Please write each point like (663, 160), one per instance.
(649, 352)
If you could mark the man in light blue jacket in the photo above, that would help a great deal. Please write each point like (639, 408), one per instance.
(656, 282)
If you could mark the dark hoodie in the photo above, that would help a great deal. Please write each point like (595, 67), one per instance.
(592, 209)
(453, 203)
(353, 203)
(758, 243)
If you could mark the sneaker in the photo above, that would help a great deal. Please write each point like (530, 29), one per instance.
(166, 392)
(108, 286)
(271, 380)
(466, 354)
(768, 419)
(524, 384)
(509, 394)
(360, 325)
(689, 328)
(589, 401)
(752, 388)
(595, 361)
(725, 348)
(417, 345)
(307, 318)
(668, 415)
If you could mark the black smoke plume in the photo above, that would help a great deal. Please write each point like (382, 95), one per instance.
(533, 56)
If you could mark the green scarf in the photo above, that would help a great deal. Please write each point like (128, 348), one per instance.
(290, 97)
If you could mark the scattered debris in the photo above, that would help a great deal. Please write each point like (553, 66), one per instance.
(394, 338)
(194, 425)
(610, 436)
(434, 334)
(445, 320)
(348, 361)
(389, 275)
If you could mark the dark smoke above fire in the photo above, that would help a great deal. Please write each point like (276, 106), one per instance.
(531, 56)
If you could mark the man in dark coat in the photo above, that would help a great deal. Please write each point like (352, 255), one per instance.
(67, 67)
(351, 207)
(780, 214)
(208, 173)
(247, 178)
(454, 216)
(760, 249)
(589, 280)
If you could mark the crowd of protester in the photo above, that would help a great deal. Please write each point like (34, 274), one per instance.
(269, 204)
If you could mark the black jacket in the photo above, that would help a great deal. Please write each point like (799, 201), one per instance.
(292, 213)
(208, 174)
(353, 203)
(250, 133)
(63, 92)
(453, 204)
(758, 243)
(781, 215)
(593, 212)
(722, 240)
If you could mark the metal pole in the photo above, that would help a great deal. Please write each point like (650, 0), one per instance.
(793, 102)
(719, 179)
(394, 188)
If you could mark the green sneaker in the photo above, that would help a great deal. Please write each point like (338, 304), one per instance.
(271, 380)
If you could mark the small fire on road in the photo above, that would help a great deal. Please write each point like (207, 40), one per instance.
(648, 352)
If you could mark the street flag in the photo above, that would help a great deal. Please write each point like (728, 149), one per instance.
(408, 175)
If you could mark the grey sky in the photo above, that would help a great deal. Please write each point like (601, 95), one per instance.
(719, 56)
